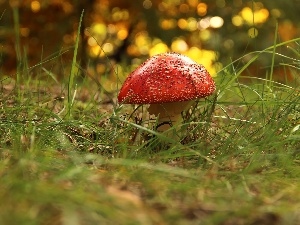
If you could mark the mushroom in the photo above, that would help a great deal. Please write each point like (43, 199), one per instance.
(169, 82)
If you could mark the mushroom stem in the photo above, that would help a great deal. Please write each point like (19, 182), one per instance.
(169, 114)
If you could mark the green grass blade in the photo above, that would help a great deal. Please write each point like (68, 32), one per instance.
(273, 55)
(73, 68)
(17, 46)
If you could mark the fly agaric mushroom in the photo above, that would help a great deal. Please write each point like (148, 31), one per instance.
(168, 82)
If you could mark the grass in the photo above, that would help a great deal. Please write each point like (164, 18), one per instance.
(237, 160)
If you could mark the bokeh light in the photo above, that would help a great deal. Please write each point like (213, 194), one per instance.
(35, 6)
(95, 51)
(107, 48)
(254, 17)
(167, 24)
(147, 4)
(276, 13)
(237, 20)
(202, 9)
(193, 3)
(179, 45)
(141, 45)
(205, 35)
(204, 23)
(99, 31)
(191, 24)
(252, 32)
(184, 8)
(119, 14)
(158, 47)
(182, 23)
(287, 30)
(24, 31)
(204, 57)
(122, 34)
(216, 22)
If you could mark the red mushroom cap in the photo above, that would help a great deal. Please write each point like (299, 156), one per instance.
(167, 77)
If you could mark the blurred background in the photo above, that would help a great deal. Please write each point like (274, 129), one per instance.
(123, 33)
